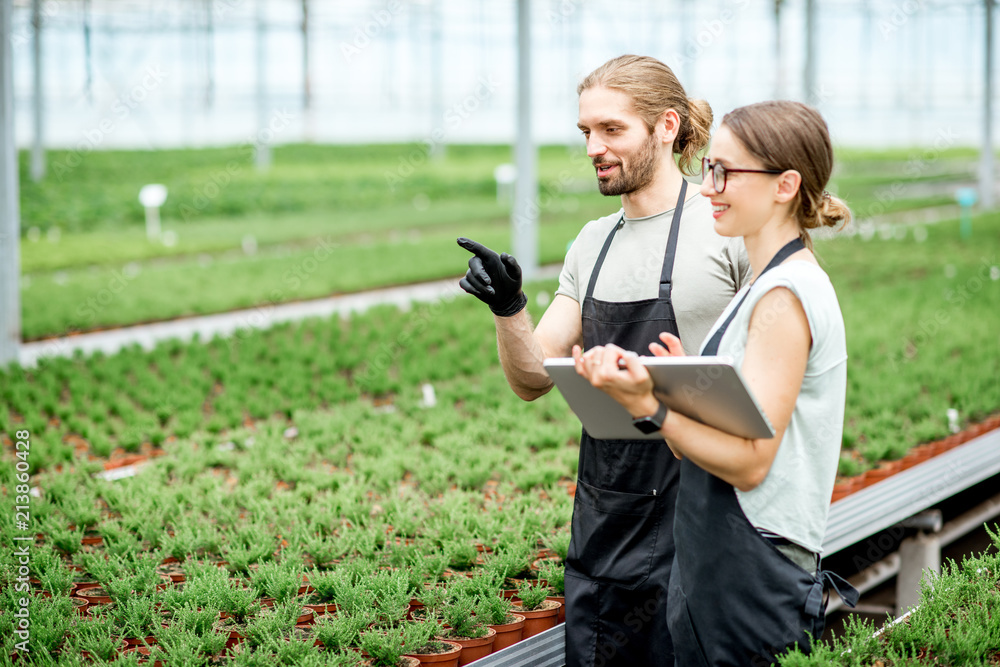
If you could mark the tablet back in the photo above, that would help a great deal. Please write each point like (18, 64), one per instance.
(707, 389)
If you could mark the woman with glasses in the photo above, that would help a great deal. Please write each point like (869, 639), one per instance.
(746, 582)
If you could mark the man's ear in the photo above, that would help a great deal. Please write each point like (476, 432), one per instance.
(787, 186)
(668, 126)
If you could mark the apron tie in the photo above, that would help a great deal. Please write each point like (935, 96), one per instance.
(828, 579)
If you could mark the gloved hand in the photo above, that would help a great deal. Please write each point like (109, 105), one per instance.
(493, 279)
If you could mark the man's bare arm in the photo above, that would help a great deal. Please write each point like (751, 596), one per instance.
(523, 349)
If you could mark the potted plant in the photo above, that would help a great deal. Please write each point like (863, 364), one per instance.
(272, 623)
(322, 598)
(136, 619)
(539, 614)
(385, 648)
(554, 574)
(390, 594)
(418, 638)
(340, 632)
(237, 605)
(495, 611)
(97, 639)
(179, 646)
(278, 581)
(52, 621)
(463, 628)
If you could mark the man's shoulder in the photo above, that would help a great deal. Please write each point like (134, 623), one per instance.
(599, 228)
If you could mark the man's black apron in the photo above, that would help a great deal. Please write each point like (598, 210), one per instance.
(734, 598)
(622, 546)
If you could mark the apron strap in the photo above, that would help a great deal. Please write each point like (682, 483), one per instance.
(712, 346)
(668, 259)
(827, 579)
(668, 256)
(604, 253)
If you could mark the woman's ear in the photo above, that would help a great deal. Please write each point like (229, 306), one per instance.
(788, 186)
(668, 126)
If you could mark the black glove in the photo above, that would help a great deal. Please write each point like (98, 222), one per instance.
(493, 279)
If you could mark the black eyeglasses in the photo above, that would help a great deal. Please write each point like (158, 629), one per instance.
(719, 173)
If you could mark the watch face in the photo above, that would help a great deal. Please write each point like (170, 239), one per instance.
(647, 425)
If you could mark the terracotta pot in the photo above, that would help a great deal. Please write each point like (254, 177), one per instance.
(561, 599)
(883, 471)
(539, 620)
(143, 653)
(473, 649)
(86, 655)
(839, 493)
(171, 570)
(140, 641)
(94, 595)
(80, 605)
(322, 608)
(449, 658)
(978, 429)
(508, 634)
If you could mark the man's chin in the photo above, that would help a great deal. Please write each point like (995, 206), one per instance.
(610, 188)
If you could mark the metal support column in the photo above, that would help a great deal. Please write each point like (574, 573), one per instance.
(811, 91)
(524, 216)
(987, 180)
(37, 150)
(262, 149)
(918, 554)
(10, 234)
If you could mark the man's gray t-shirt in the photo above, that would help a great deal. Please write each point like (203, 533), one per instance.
(708, 269)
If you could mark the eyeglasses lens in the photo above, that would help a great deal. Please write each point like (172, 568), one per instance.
(718, 177)
(718, 174)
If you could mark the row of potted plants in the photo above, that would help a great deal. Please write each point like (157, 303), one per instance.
(955, 623)
(915, 456)
(360, 604)
(901, 383)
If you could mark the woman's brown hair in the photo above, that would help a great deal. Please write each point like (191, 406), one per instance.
(784, 136)
(654, 89)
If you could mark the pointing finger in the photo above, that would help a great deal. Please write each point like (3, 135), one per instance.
(476, 248)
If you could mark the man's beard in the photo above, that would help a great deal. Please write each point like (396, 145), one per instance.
(640, 173)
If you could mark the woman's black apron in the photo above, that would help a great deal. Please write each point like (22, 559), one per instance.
(734, 598)
(618, 566)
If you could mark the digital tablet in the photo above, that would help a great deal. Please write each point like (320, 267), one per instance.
(707, 389)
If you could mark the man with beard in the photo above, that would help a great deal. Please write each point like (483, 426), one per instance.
(655, 265)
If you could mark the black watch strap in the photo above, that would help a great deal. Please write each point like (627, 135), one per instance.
(651, 424)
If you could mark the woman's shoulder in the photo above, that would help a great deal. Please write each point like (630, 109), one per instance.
(798, 275)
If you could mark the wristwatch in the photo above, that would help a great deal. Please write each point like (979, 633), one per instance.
(653, 423)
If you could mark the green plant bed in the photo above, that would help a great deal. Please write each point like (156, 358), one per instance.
(955, 623)
(99, 297)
